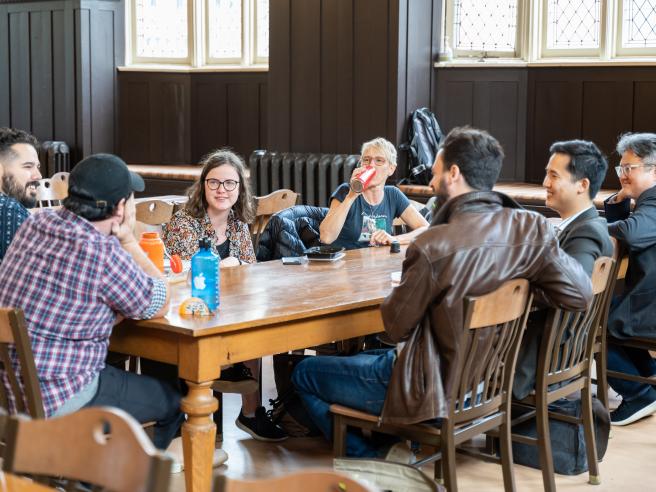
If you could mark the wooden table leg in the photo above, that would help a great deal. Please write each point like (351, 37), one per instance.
(198, 434)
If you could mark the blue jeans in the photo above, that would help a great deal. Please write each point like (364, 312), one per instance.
(629, 360)
(359, 382)
(143, 397)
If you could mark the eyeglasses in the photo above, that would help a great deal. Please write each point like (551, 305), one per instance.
(378, 161)
(625, 169)
(228, 184)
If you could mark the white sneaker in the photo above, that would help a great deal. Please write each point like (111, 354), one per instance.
(175, 450)
(400, 453)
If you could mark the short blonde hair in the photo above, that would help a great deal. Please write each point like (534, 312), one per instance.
(385, 146)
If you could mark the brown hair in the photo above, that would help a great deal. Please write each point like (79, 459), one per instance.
(197, 204)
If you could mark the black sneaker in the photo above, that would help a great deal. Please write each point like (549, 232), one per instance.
(261, 427)
(236, 379)
(630, 411)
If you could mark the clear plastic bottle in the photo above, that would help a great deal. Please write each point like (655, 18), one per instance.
(206, 275)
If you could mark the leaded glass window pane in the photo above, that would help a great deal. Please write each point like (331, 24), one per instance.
(262, 26)
(161, 28)
(485, 25)
(225, 28)
(573, 24)
(639, 30)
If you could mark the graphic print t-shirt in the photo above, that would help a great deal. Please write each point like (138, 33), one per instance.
(364, 219)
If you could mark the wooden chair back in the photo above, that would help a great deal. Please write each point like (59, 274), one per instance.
(494, 324)
(50, 193)
(14, 336)
(315, 480)
(107, 448)
(59, 183)
(265, 207)
(569, 337)
(151, 215)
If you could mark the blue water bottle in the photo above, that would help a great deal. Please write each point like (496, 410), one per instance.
(206, 275)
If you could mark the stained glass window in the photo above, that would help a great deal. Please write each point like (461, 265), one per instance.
(485, 25)
(573, 24)
(639, 24)
(262, 26)
(225, 28)
(161, 29)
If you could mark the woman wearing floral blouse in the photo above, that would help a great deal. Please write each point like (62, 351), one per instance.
(219, 208)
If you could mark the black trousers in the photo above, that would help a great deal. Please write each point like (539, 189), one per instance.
(146, 398)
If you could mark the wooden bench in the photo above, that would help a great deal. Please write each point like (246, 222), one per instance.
(165, 179)
(531, 196)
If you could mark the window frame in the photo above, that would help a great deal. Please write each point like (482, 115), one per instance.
(198, 41)
(531, 38)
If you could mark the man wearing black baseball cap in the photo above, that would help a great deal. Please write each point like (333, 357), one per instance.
(77, 271)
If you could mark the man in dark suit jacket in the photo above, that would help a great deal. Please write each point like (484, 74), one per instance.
(633, 313)
(574, 175)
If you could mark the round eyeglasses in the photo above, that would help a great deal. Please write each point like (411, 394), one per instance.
(378, 161)
(228, 184)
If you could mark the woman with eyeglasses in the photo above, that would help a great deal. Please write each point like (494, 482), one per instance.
(220, 208)
(357, 219)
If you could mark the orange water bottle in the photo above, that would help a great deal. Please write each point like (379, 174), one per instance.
(153, 246)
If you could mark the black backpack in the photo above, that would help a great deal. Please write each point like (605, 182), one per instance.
(424, 137)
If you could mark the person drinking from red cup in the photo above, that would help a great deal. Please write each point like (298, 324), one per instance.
(362, 211)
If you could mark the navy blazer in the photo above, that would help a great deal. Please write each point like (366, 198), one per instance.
(633, 313)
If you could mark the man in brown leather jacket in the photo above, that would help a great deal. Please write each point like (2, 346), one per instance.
(478, 239)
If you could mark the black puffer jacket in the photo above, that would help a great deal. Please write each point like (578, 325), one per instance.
(290, 232)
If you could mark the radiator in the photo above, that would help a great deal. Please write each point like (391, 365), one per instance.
(55, 157)
(314, 176)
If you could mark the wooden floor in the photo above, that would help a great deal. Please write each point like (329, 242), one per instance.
(631, 453)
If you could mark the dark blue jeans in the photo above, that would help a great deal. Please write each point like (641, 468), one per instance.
(146, 398)
(359, 382)
(637, 362)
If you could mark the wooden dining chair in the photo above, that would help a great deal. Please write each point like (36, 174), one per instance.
(565, 367)
(50, 193)
(151, 215)
(265, 207)
(314, 480)
(59, 183)
(13, 332)
(618, 272)
(107, 448)
(479, 399)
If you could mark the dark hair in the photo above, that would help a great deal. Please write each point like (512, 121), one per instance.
(477, 153)
(641, 144)
(13, 136)
(77, 204)
(197, 204)
(585, 161)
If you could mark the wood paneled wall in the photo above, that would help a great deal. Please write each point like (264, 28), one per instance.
(528, 109)
(57, 70)
(176, 118)
(345, 71)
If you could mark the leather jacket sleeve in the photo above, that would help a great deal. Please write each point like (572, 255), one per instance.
(406, 305)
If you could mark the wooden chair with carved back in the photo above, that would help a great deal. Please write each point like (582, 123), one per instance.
(565, 367)
(265, 207)
(479, 400)
(50, 193)
(111, 451)
(151, 215)
(14, 336)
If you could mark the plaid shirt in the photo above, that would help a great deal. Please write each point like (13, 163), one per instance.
(71, 280)
(12, 215)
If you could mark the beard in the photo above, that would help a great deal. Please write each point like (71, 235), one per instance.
(20, 193)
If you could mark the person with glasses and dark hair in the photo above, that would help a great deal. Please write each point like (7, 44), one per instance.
(357, 219)
(220, 207)
(633, 312)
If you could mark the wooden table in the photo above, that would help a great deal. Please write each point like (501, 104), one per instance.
(265, 309)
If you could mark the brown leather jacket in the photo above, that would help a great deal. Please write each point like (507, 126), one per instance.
(476, 242)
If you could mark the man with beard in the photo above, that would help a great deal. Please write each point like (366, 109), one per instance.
(20, 165)
(478, 240)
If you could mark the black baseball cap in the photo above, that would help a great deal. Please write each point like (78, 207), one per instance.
(103, 180)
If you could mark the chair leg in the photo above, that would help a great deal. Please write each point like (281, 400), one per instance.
(218, 416)
(588, 430)
(449, 460)
(505, 441)
(439, 473)
(544, 445)
(339, 436)
(601, 362)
